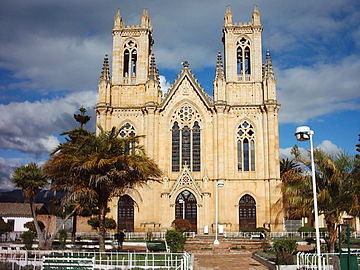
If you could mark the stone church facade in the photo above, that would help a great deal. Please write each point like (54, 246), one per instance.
(225, 144)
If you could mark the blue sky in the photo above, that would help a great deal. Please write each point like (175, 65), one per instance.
(51, 55)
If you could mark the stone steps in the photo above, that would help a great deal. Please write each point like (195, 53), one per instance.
(204, 245)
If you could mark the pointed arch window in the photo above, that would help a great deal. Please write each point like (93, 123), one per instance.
(245, 137)
(243, 59)
(130, 60)
(186, 140)
(127, 131)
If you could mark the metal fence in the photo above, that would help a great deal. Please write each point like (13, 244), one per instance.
(107, 260)
(327, 260)
(302, 235)
(128, 235)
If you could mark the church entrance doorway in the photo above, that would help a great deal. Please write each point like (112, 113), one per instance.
(247, 213)
(126, 214)
(186, 208)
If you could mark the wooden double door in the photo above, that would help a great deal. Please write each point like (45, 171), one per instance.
(247, 213)
(126, 214)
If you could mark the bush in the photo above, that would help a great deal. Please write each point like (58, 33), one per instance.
(284, 259)
(306, 229)
(4, 227)
(28, 239)
(175, 240)
(181, 225)
(283, 250)
(31, 226)
(262, 229)
(62, 238)
(109, 223)
(286, 246)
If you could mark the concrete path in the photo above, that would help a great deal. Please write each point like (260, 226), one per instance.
(226, 261)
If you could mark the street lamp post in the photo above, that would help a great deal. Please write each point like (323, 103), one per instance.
(183, 207)
(304, 133)
(218, 184)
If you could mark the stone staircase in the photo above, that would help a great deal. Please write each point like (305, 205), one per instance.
(227, 245)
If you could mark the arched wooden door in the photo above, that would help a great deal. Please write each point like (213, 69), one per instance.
(247, 213)
(187, 199)
(126, 214)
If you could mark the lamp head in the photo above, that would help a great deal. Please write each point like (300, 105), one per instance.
(220, 183)
(303, 133)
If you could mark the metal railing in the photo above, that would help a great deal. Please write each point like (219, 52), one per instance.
(310, 260)
(103, 260)
(128, 235)
(302, 235)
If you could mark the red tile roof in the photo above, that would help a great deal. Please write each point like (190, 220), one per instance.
(17, 209)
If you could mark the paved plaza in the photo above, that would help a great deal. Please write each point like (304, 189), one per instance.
(226, 261)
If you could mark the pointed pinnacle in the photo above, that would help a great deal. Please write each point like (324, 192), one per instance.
(269, 72)
(105, 73)
(118, 20)
(219, 67)
(228, 16)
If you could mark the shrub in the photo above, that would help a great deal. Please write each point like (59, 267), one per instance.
(181, 225)
(31, 226)
(4, 227)
(262, 229)
(175, 240)
(284, 259)
(62, 238)
(283, 250)
(306, 229)
(28, 239)
(286, 246)
(109, 223)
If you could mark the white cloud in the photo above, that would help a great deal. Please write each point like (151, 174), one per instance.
(326, 145)
(308, 92)
(164, 84)
(329, 147)
(30, 126)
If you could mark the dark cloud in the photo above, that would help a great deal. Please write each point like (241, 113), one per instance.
(7, 166)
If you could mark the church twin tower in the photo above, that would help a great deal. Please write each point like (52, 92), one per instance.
(227, 142)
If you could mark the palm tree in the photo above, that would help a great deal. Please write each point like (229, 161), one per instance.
(100, 166)
(335, 189)
(31, 179)
(293, 183)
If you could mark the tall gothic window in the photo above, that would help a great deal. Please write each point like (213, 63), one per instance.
(186, 139)
(245, 137)
(243, 62)
(128, 131)
(130, 59)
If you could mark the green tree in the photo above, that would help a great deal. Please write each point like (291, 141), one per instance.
(31, 179)
(335, 189)
(4, 227)
(101, 166)
(292, 177)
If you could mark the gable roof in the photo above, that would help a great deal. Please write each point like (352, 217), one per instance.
(186, 73)
(19, 209)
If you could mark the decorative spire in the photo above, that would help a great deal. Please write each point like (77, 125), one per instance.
(256, 16)
(118, 20)
(145, 19)
(219, 67)
(228, 16)
(185, 64)
(268, 68)
(105, 73)
(153, 71)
